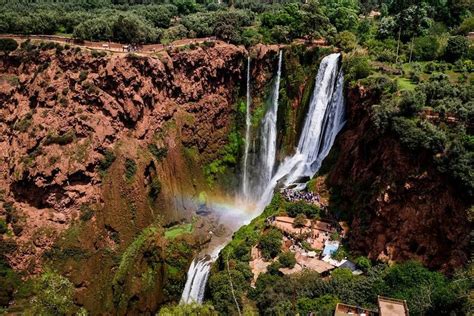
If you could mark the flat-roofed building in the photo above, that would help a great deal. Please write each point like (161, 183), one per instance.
(345, 309)
(392, 307)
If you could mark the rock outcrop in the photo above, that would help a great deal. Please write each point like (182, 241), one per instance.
(95, 148)
(400, 206)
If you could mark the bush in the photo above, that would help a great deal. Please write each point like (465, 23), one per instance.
(158, 153)
(311, 211)
(346, 40)
(411, 102)
(457, 48)
(274, 268)
(107, 161)
(426, 48)
(270, 243)
(466, 26)
(356, 67)
(287, 260)
(155, 189)
(7, 45)
(300, 221)
(363, 263)
(130, 168)
(54, 295)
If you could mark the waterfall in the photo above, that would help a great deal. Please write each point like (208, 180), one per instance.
(245, 179)
(324, 120)
(196, 281)
(269, 134)
(196, 278)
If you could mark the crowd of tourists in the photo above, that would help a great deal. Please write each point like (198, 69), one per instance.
(293, 196)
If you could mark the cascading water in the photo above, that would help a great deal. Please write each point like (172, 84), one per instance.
(269, 135)
(245, 178)
(197, 277)
(324, 120)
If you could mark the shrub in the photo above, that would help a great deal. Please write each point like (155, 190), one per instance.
(107, 161)
(466, 26)
(356, 67)
(300, 221)
(155, 188)
(287, 260)
(311, 211)
(426, 48)
(7, 45)
(457, 48)
(54, 295)
(274, 268)
(158, 153)
(130, 168)
(86, 212)
(346, 40)
(63, 139)
(411, 102)
(363, 263)
(3, 227)
(270, 243)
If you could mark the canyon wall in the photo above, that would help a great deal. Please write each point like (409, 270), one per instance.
(96, 148)
(400, 207)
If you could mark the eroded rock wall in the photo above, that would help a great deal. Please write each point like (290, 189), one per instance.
(400, 206)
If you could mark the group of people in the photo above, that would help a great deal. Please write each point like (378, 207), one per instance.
(293, 196)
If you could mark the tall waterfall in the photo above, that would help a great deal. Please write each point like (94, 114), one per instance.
(324, 120)
(269, 135)
(245, 177)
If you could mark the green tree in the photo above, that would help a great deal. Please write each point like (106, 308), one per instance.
(131, 29)
(466, 26)
(457, 48)
(287, 259)
(425, 48)
(188, 309)
(270, 243)
(363, 263)
(7, 45)
(54, 295)
(356, 67)
(346, 40)
(300, 221)
(425, 291)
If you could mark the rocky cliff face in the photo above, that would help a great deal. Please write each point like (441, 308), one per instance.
(400, 206)
(96, 148)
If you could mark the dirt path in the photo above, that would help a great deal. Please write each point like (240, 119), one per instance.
(112, 46)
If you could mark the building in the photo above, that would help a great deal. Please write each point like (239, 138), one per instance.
(386, 307)
(392, 307)
(344, 309)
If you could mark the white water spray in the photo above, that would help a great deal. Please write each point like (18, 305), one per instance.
(324, 120)
(245, 179)
(269, 135)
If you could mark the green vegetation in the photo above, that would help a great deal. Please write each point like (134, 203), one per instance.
(178, 230)
(188, 309)
(287, 259)
(228, 158)
(158, 153)
(143, 245)
(107, 161)
(130, 168)
(309, 210)
(7, 45)
(54, 295)
(270, 243)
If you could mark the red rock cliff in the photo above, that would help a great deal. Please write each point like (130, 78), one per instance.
(401, 207)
